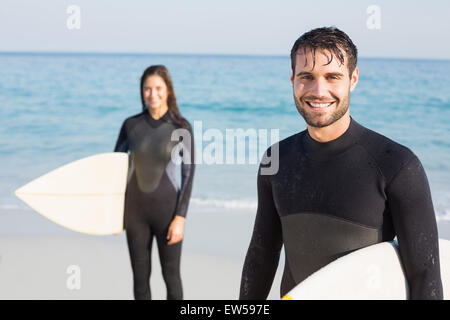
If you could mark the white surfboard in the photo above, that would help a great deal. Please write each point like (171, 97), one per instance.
(371, 273)
(86, 195)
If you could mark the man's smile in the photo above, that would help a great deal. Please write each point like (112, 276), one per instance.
(319, 105)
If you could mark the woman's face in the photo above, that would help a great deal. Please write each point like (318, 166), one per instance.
(155, 92)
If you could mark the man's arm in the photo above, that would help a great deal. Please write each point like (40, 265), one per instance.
(409, 200)
(263, 254)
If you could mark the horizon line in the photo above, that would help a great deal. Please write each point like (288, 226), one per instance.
(249, 55)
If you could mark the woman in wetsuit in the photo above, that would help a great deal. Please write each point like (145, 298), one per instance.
(155, 207)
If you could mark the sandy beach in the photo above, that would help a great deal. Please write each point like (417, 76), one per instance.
(41, 260)
(62, 264)
(48, 267)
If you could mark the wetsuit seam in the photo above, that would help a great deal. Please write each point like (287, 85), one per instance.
(366, 132)
(374, 159)
(400, 170)
(336, 218)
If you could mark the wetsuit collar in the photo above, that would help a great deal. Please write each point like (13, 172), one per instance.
(156, 123)
(325, 150)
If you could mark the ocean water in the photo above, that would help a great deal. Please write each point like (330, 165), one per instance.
(57, 108)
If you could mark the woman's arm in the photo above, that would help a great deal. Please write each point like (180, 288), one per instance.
(176, 228)
(122, 144)
(187, 174)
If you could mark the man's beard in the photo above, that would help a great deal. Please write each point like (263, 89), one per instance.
(313, 120)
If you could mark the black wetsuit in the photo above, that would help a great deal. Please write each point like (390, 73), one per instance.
(329, 199)
(153, 197)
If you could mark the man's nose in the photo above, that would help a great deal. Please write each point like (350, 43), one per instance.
(318, 87)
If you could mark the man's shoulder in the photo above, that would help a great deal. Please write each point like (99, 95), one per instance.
(284, 146)
(389, 155)
(278, 153)
(383, 147)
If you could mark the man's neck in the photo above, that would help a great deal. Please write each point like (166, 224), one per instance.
(332, 131)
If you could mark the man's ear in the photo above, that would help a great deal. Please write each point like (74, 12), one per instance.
(354, 79)
(292, 78)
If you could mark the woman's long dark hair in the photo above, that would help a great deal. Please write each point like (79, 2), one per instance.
(162, 71)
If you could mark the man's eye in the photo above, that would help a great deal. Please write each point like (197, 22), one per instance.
(333, 77)
(306, 77)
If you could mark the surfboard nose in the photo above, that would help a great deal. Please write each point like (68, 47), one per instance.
(86, 195)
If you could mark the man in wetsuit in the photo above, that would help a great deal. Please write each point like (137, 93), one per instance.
(339, 186)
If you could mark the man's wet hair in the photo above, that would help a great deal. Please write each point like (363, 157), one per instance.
(330, 39)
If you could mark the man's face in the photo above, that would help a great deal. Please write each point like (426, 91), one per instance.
(322, 94)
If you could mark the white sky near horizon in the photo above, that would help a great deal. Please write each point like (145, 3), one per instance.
(408, 29)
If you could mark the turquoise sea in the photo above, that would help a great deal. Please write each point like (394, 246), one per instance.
(59, 107)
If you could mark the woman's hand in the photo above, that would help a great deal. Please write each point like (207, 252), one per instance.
(176, 230)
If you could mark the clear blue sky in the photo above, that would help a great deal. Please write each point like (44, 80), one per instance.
(411, 29)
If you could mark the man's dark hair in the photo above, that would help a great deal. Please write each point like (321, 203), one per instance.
(327, 38)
